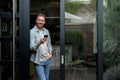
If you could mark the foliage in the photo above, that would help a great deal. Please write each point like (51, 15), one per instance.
(74, 37)
(112, 73)
(112, 21)
(111, 53)
(72, 7)
(93, 4)
(111, 45)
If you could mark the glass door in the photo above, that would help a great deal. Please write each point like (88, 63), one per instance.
(8, 45)
(14, 58)
(80, 39)
(17, 18)
(111, 41)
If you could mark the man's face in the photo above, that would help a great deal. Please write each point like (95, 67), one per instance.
(40, 21)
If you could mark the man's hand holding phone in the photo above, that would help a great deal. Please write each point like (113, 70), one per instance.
(42, 40)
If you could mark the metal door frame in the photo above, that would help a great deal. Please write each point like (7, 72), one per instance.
(62, 41)
(100, 39)
(24, 17)
(24, 39)
(99, 5)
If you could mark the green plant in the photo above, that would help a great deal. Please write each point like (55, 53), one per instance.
(72, 7)
(111, 45)
(75, 38)
(113, 73)
(111, 53)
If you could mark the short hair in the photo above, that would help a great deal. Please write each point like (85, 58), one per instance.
(41, 14)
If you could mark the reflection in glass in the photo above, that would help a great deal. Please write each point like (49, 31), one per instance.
(6, 61)
(80, 34)
(111, 42)
(6, 50)
(6, 72)
(6, 26)
(7, 5)
(6, 41)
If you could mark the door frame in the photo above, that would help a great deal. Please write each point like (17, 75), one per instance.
(23, 39)
(62, 41)
(99, 62)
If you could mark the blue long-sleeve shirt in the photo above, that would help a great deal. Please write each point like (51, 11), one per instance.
(34, 38)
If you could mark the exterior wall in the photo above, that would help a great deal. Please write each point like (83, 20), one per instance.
(87, 32)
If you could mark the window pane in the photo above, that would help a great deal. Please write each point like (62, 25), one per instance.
(6, 71)
(111, 42)
(80, 39)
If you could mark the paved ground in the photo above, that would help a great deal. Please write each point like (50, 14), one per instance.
(74, 74)
(85, 74)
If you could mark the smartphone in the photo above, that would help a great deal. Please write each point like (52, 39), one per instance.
(45, 36)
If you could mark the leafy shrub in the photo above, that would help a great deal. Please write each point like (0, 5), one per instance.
(112, 73)
(111, 53)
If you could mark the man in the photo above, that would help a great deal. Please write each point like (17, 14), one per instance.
(41, 48)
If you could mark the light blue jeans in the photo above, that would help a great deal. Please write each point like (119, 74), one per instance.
(43, 69)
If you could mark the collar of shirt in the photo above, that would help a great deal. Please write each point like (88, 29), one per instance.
(37, 30)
